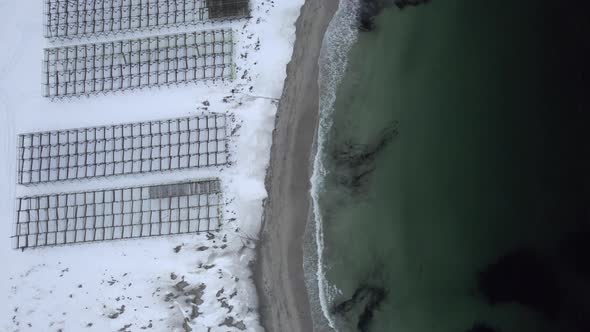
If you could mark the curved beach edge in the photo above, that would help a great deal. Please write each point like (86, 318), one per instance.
(279, 276)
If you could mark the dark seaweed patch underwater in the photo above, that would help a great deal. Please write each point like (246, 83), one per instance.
(457, 197)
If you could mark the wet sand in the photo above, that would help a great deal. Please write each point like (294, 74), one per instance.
(284, 304)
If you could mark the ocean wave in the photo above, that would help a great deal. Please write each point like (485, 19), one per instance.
(340, 36)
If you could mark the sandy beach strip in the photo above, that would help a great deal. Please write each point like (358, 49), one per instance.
(284, 305)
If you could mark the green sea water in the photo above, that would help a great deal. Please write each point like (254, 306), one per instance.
(451, 146)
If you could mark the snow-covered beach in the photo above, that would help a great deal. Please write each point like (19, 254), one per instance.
(173, 283)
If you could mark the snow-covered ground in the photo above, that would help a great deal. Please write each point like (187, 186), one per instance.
(137, 285)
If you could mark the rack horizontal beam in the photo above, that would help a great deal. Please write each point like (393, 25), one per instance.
(111, 214)
(137, 63)
(132, 148)
(76, 18)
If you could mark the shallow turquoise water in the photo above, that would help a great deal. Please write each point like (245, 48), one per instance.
(451, 146)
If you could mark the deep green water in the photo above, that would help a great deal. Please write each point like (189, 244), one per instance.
(481, 155)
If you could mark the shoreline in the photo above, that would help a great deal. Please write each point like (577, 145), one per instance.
(279, 276)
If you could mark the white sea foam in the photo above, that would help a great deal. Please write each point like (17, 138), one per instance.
(338, 40)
